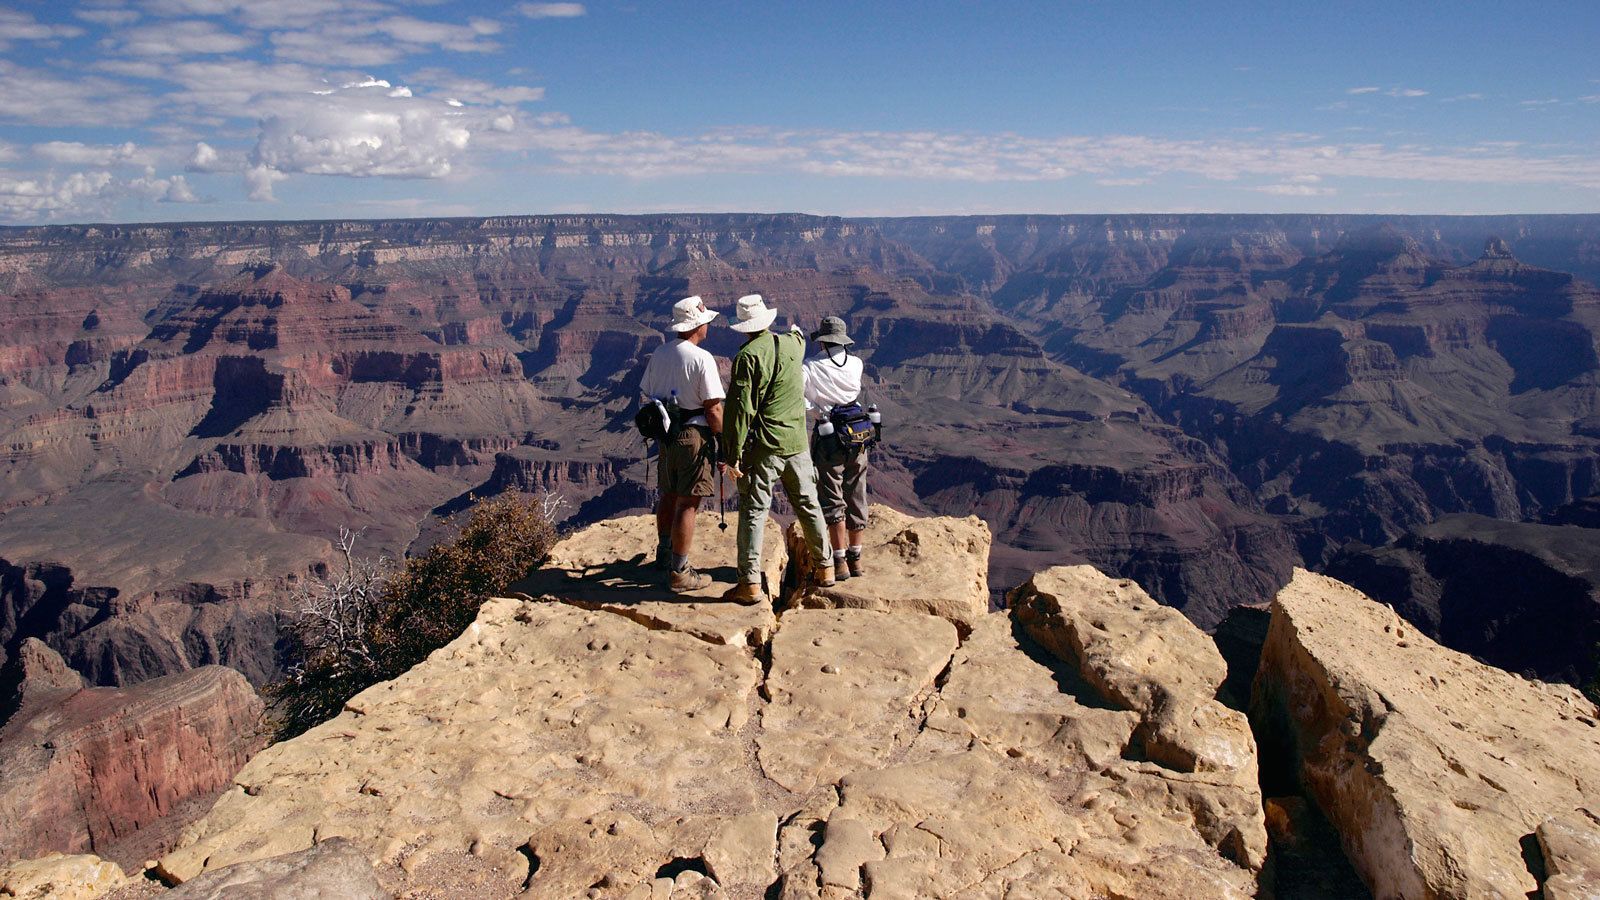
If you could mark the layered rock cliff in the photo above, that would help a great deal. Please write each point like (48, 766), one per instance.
(91, 768)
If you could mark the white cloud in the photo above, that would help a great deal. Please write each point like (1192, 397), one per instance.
(37, 197)
(1300, 166)
(551, 10)
(205, 158)
(1121, 182)
(38, 97)
(1295, 190)
(258, 182)
(78, 154)
(190, 37)
(46, 196)
(362, 131)
(1550, 102)
(16, 25)
(162, 190)
(1391, 92)
(455, 87)
(1459, 97)
(107, 17)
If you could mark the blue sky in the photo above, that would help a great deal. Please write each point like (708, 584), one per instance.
(137, 110)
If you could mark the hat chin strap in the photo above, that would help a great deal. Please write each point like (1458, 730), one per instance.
(844, 354)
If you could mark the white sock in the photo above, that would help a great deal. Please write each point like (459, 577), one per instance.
(855, 551)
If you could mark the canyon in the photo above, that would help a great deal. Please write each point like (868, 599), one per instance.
(1198, 403)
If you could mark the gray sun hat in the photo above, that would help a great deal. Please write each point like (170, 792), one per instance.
(832, 331)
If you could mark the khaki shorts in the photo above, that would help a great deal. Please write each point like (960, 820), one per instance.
(685, 466)
(841, 482)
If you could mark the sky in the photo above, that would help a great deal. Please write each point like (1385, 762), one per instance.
(161, 110)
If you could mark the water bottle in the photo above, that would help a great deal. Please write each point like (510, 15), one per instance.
(877, 422)
(672, 402)
(825, 428)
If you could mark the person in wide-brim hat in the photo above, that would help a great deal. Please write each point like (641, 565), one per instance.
(690, 313)
(765, 447)
(832, 331)
(752, 314)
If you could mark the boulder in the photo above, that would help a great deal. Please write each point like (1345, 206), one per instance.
(1436, 770)
(1570, 843)
(1017, 785)
(937, 566)
(607, 566)
(60, 877)
(332, 869)
(84, 769)
(1148, 659)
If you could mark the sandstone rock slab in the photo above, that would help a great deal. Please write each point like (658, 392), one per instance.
(845, 690)
(331, 869)
(936, 565)
(1436, 770)
(541, 713)
(608, 566)
(61, 877)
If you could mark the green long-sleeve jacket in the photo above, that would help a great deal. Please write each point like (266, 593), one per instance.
(759, 419)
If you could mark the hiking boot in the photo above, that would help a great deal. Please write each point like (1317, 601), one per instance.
(745, 593)
(687, 579)
(854, 564)
(840, 570)
(824, 575)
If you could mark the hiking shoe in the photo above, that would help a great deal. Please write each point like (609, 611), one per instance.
(745, 593)
(840, 570)
(687, 579)
(824, 574)
(854, 564)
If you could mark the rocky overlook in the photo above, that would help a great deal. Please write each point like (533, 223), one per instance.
(590, 736)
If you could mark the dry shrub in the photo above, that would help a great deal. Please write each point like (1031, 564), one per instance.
(369, 622)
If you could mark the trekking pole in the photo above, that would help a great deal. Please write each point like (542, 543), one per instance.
(722, 499)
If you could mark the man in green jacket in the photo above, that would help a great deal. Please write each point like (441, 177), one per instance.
(764, 438)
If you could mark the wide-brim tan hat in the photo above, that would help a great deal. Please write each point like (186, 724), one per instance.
(690, 313)
(753, 314)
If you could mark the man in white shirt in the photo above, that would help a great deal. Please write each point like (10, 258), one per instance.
(679, 370)
(833, 378)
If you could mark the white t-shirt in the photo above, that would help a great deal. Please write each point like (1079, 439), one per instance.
(681, 366)
(828, 384)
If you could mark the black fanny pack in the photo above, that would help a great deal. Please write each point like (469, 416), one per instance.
(660, 421)
(852, 427)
